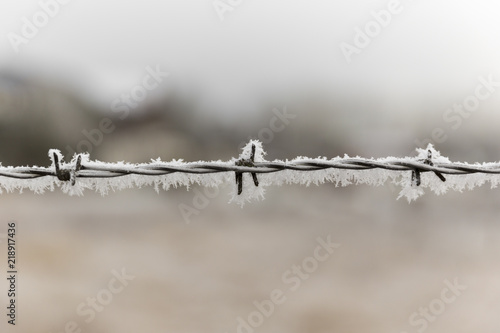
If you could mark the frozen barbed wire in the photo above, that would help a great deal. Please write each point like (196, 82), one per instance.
(251, 174)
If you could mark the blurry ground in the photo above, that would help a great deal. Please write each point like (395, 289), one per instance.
(202, 276)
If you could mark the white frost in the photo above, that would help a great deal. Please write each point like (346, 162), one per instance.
(340, 177)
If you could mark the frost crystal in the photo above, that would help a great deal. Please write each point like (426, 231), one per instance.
(342, 171)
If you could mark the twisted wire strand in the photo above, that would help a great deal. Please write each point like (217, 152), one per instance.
(251, 161)
(164, 168)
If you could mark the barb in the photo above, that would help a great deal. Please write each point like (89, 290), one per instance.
(83, 173)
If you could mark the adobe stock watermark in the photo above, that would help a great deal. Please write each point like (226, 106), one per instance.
(88, 309)
(381, 19)
(280, 120)
(31, 26)
(121, 106)
(455, 115)
(201, 199)
(428, 314)
(292, 278)
(222, 7)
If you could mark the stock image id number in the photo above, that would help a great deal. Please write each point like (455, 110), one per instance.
(11, 246)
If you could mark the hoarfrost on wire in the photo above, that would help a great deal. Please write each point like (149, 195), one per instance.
(340, 177)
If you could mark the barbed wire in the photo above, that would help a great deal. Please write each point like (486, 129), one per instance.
(242, 166)
(82, 168)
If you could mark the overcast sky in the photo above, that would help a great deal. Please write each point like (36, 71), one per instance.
(261, 47)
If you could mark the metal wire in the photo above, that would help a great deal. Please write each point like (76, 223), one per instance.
(240, 166)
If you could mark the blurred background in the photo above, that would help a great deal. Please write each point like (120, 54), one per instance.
(134, 80)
